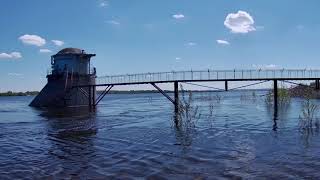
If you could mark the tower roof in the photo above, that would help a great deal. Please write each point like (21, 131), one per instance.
(71, 51)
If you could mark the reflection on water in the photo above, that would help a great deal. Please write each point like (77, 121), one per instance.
(134, 136)
(70, 133)
(70, 122)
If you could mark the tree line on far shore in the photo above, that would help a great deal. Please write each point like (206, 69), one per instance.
(11, 93)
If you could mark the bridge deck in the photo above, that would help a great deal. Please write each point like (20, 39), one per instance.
(209, 75)
(202, 76)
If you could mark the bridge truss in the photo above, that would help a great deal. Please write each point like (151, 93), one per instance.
(191, 77)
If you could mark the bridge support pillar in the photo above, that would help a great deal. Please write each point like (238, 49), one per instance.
(93, 96)
(317, 82)
(174, 101)
(90, 97)
(226, 85)
(275, 97)
(176, 96)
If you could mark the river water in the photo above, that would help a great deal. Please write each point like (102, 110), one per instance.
(133, 136)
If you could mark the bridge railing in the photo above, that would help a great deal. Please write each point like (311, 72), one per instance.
(209, 75)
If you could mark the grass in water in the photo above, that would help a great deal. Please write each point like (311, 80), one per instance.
(188, 111)
(214, 101)
(308, 118)
(186, 118)
(249, 97)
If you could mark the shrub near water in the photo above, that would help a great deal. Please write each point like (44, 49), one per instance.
(284, 97)
(308, 119)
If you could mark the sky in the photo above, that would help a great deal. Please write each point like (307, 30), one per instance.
(133, 36)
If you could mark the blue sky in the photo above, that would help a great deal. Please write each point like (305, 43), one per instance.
(131, 36)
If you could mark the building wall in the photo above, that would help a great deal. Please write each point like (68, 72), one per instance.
(73, 63)
(76, 97)
(58, 93)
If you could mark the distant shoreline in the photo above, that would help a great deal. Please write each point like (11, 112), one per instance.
(11, 93)
(298, 91)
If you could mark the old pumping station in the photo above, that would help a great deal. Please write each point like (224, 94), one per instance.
(72, 81)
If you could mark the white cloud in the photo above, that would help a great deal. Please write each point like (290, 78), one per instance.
(58, 42)
(191, 44)
(14, 74)
(45, 51)
(103, 3)
(16, 55)
(224, 42)
(240, 22)
(113, 22)
(265, 66)
(32, 40)
(178, 16)
(13, 55)
(178, 59)
(5, 56)
(271, 66)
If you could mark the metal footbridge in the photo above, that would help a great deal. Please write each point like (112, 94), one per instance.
(176, 77)
(209, 75)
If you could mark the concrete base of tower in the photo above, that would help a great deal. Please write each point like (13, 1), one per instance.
(60, 91)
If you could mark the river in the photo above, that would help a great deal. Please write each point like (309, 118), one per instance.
(134, 136)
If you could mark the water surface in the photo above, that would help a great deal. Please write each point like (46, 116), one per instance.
(133, 136)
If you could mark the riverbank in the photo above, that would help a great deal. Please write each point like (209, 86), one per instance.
(304, 91)
(28, 93)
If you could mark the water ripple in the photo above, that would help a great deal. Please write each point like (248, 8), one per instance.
(134, 137)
